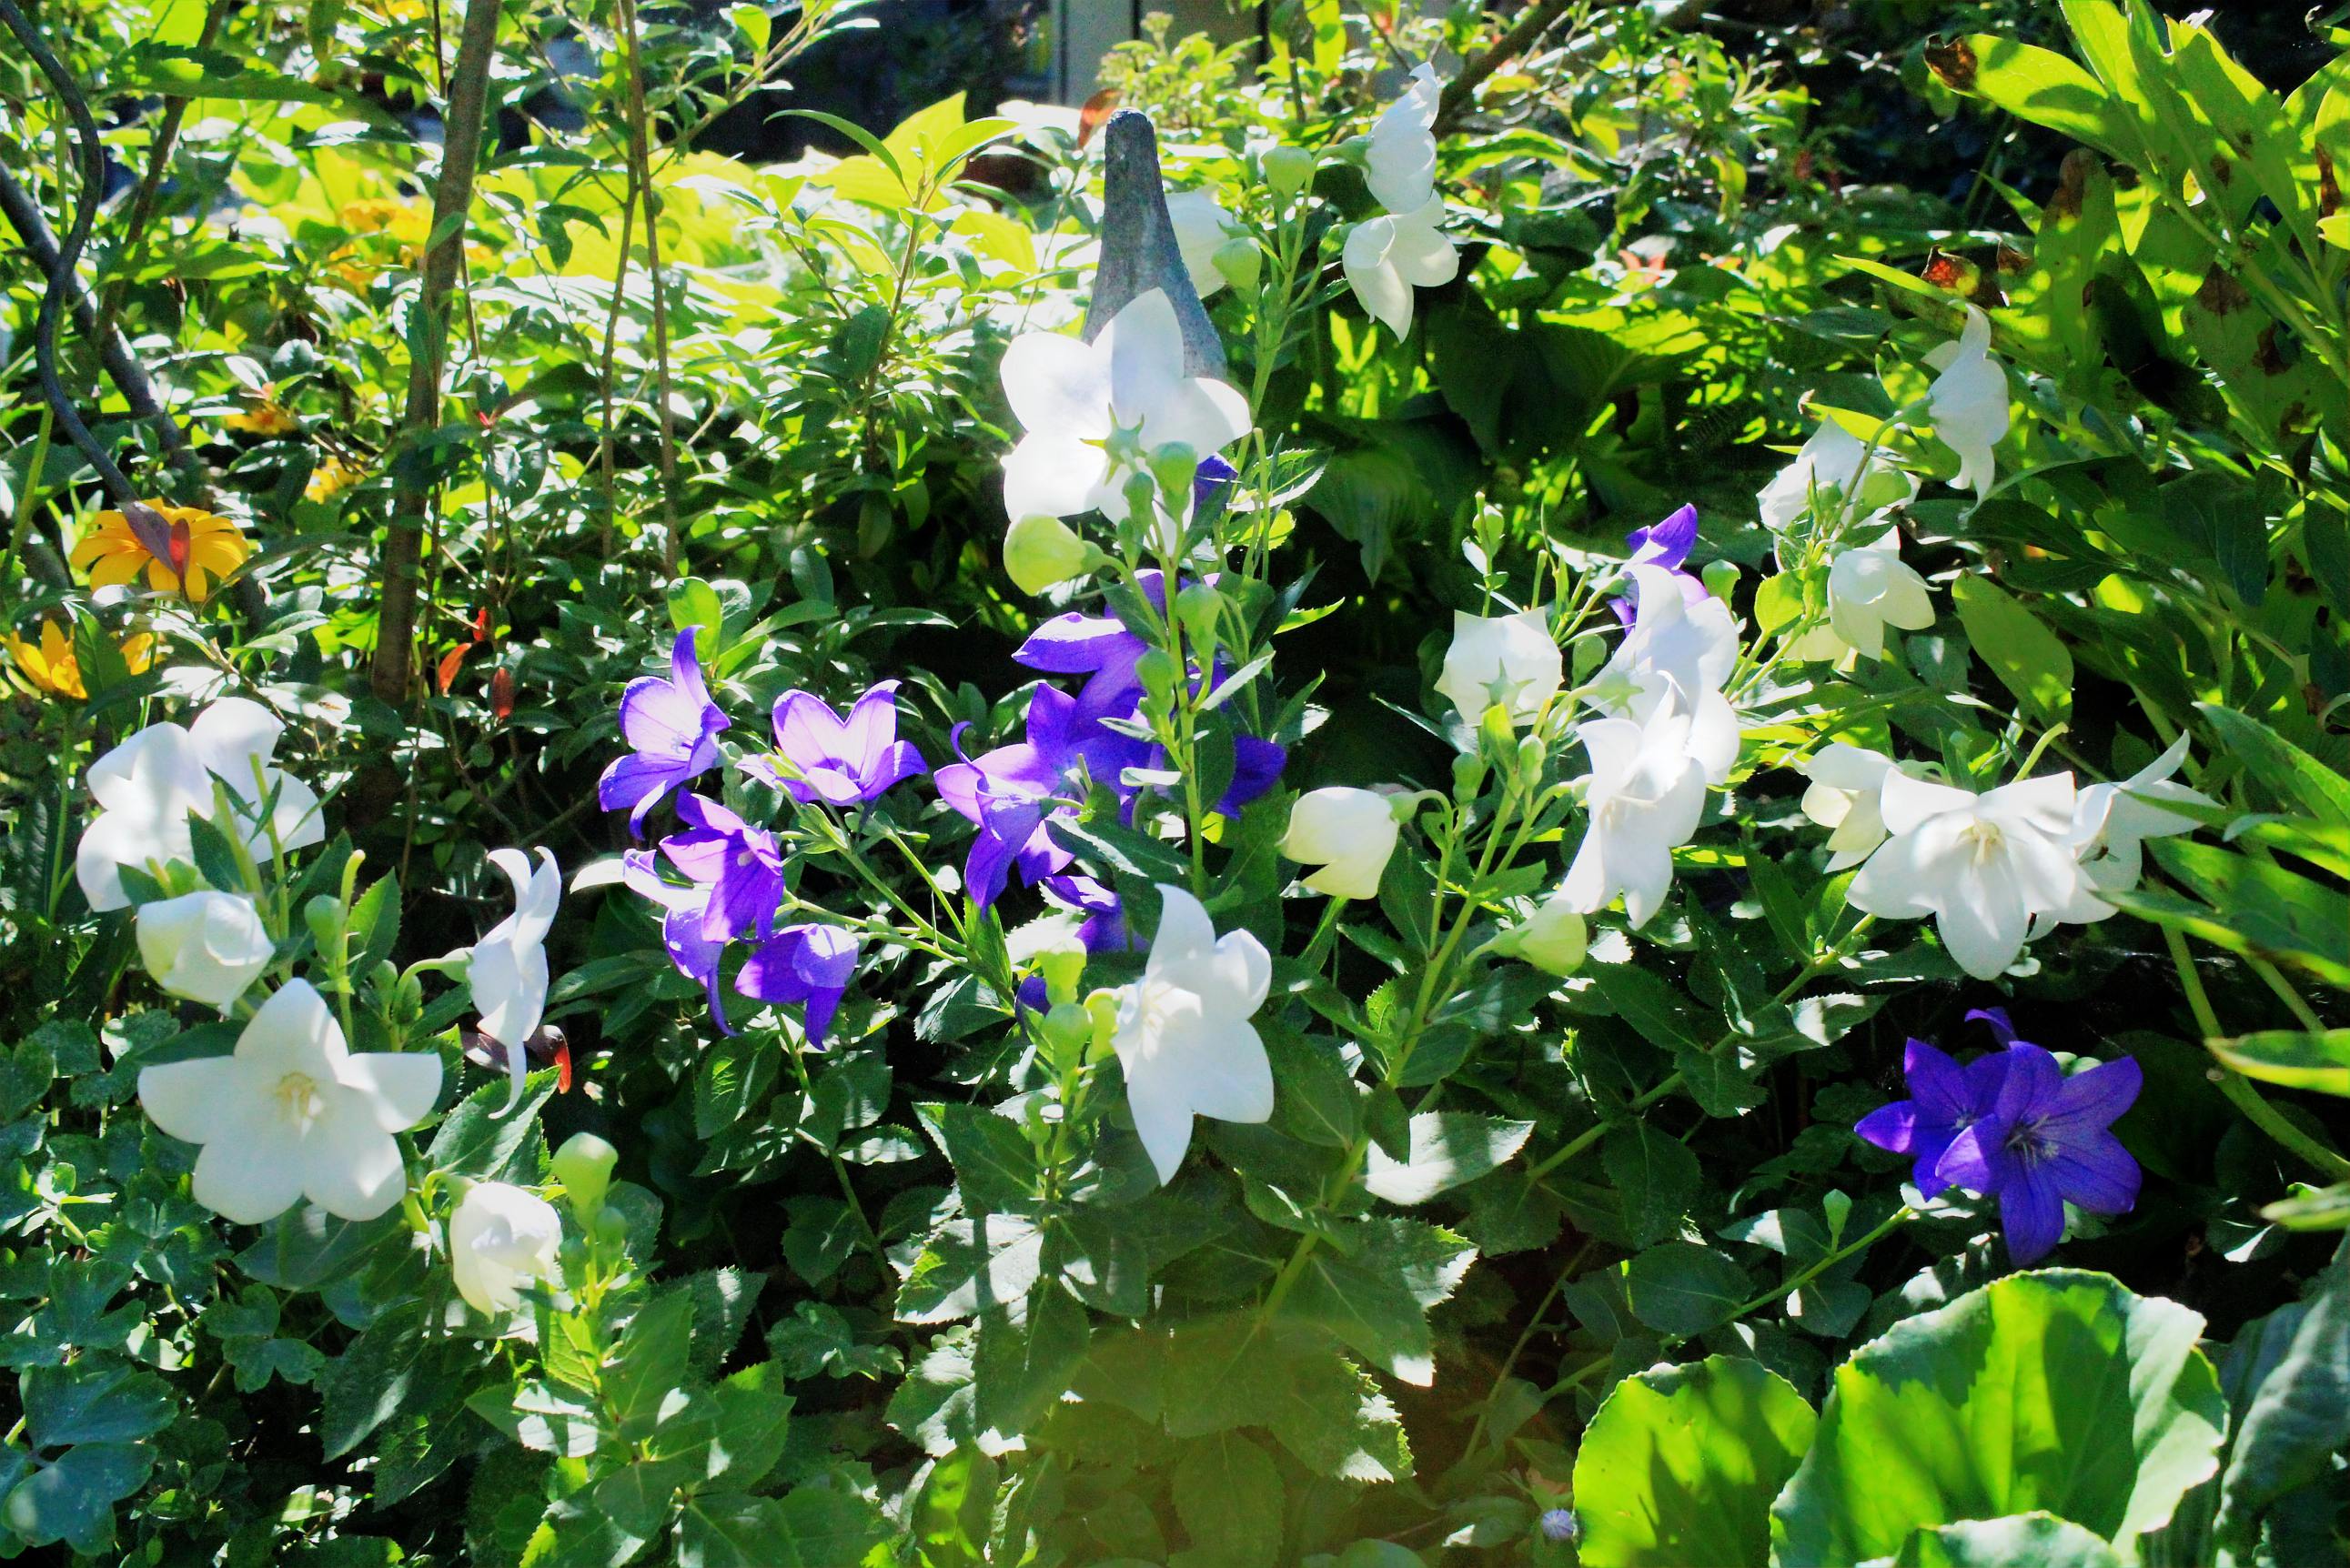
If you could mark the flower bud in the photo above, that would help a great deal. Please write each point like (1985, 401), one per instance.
(1288, 169)
(1554, 939)
(584, 1164)
(207, 946)
(1197, 608)
(501, 1239)
(1468, 777)
(1064, 970)
(1067, 1030)
(324, 915)
(1721, 577)
(1175, 466)
(1533, 754)
(1348, 834)
(1039, 552)
(1240, 263)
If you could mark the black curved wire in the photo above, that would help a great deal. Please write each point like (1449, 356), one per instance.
(92, 159)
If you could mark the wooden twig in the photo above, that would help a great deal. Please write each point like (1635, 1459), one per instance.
(452, 198)
(642, 174)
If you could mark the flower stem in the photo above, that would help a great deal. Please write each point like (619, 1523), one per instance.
(2238, 1088)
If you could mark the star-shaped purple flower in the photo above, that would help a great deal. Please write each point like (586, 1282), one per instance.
(672, 727)
(805, 963)
(740, 863)
(695, 955)
(2047, 1142)
(1665, 543)
(1945, 1100)
(842, 763)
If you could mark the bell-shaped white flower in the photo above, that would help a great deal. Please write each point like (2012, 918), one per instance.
(1968, 401)
(1385, 257)
(1846, 782)
(1985, 867)
(1506, 660)
(147, 785)
(2111, 821)
(1348, 832)
(1202, 228)
(1870, 588)
(1399, 163)
(1073, 398)
(205, 946)
(291, 1113)
(1645, 795)
(1832, 459)
(500, 1240)
(1681, 652)
(508, 969)
(1183, 1034)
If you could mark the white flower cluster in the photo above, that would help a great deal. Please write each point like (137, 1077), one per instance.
(1405, 247)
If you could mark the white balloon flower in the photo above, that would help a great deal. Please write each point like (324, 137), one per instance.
(1968, 403)
(1846, 782)
(2112, 821)
(1832, 459)
(1183, 1034)
(508, 969)
(1506, 660)
(1645, 795)
(147, 785)
(1387, 257)
(1348, 832)
(292, 1114)
(500, 1240)
(1986, 866)
(1073, 398)
(1870, 588)
(205, 946)
(1680, 653)
(1202, 228)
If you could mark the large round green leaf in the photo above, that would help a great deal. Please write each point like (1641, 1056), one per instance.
(1680, 1464)
(2026, 1540)
(2058, 1391)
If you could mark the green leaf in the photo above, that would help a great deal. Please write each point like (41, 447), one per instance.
(1680, 1287)
(73, 1499)
(95, 1400)
(1680, 1464)
(2020, 1541)
(2280, 765)
(1228, 1494)
(476, 1141)
(1448, 1147)
(814, 1527)
(1376, 1296)
(2107, 1414)
(2297, 1058)
(994, 1163)
(649, 1362)
(1020, 1370)
(1656, 1175)
(2036, 84)
(2299, 1418)
(753, 1414)
(2028, 659)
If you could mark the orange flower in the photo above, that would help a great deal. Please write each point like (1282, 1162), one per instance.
(168, 543)
(330, 478)
(50, 666)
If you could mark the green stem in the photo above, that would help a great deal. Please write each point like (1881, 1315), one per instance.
(2238, 1088)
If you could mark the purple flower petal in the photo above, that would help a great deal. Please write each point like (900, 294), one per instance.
(2032, 1211)
(1978, 1159)
(1893, 1127)
(2092, 1100)
(1665, 543)
(2097, 1174)
(672, 726)
(1997, 1018)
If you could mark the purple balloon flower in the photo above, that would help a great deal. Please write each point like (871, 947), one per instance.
(741, 864)
(695, 955)
(1008, 793)
(1208, 481)
(672, 727)
(1667, 544)
(2047, 1143)
(840, 762)
(1103, 927)
(1946, 1099)
(806, 963)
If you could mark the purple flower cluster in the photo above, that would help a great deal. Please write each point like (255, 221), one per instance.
(2011, 1124)
(1014, 792)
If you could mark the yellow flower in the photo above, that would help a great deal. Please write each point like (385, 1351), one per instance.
(116, 551)
(386, 227)
(50, 666)
(330, 478)
(262, 416)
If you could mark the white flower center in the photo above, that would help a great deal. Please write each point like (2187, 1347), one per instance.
(299, 1101)
(1156, 1001)
(1986, 839)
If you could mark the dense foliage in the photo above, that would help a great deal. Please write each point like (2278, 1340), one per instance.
(1431, 804)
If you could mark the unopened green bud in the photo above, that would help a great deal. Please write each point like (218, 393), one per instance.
(1532, 756)
(1175, 466)
(1240, 263)
(1288, 169)
(1101, 1011)
(1468, 777)
(1067, 1030)
(584, 1164)
(1720, 578)
(1064, 970)
(1040, 552)
(1554, 939)
(325, 915)
(1197, 608)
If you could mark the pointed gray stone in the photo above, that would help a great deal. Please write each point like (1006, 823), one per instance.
(1138, 251)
